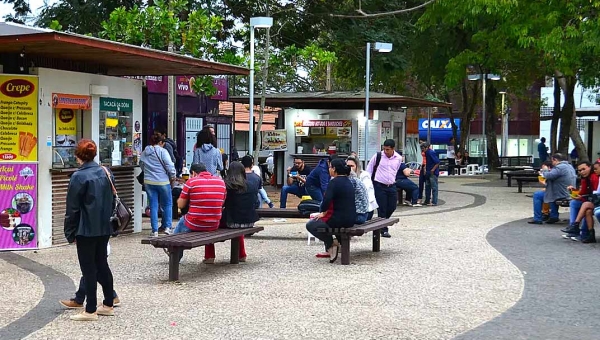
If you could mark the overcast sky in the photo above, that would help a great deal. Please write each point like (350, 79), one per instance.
(36, 6)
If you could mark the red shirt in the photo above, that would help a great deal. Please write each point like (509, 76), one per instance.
(206, 194)
(588, 185)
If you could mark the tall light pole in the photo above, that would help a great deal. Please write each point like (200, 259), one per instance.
(256, 22)
(483, 77)
(383, 48)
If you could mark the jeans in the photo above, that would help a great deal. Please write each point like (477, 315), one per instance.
(91, 252)
(574, 206)
(431, 188)
(410, 187)
(315, 193)
(361, 218)
(538, 201)
(370, 215)
(313, 226)
(387, 199)
(80, 293)
(294, 189)
(262, 197)
(421, 183)
(163, 194)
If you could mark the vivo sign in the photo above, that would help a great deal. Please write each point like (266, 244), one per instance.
(438, 123)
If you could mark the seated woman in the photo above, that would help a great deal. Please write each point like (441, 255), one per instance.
(459, 158)
(365, 178)
(338, 208)
(586, 211)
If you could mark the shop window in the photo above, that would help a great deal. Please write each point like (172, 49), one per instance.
(116, 146)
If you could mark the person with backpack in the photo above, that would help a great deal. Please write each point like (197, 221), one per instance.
(383, 167)
(171, 148)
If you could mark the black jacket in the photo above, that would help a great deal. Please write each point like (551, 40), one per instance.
(90, 203)
(241, 207)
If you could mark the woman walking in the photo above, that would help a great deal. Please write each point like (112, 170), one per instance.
(207, 153)
(87, 223)
(159, 173)
(338, 209)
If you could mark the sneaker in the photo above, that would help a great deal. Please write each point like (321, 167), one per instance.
(591, 238)
(385, 234)
(406, 203)
(271, 205)
(84, 316)
(105, 310)
(545, 217)
(208, 261)
(576, 238)
(168, 231)
(161, 230)
(154, 234)
(572, 229)
(552, 220)
(535, 222)
(70, 304)
(417, 205)
(569, 236)
(116, 302)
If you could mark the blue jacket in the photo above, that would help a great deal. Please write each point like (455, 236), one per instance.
(432, 160)
(319, 176)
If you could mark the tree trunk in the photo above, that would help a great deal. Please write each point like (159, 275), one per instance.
(567, 84)
(467, 112)
(265, 75)
(490, 126)
(555, 117)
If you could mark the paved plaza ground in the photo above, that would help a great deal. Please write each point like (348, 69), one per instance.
(470, 268)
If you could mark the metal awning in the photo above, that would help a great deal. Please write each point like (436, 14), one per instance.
(117, 59)
(340, 100)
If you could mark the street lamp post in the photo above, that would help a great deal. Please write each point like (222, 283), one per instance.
(383, 48)
(483, 77)
(256, 22)
(504, 125)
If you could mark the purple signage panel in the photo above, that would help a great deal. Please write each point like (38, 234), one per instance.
(18, 206)
(160, 84)
(221, 85)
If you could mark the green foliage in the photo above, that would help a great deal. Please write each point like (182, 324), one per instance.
(21, 9)
(55, 25)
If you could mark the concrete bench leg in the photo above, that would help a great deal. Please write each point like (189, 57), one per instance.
(345, 249)
(520, 184)
(376, 240)
(235, 251)
(174, 256)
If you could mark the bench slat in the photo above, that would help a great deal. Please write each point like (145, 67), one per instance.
(361, 229)
(196, 239)
(280, 212)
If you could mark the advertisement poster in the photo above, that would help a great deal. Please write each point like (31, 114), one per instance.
(18, 118)
(66, 127)
(71, 101)
(18, 206)
(275, 140)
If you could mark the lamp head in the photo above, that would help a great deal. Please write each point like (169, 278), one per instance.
(383, 47)
(491, 76)
(261, 22)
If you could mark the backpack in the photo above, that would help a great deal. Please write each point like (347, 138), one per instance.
(377, 161)
(308, 207)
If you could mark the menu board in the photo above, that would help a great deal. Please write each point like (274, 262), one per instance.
(275, 140)
(18, 118)
(18, 213)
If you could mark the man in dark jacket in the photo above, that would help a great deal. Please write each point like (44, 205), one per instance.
(171, 148)
(318, 179)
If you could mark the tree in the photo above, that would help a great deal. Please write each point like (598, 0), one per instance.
(21, 9)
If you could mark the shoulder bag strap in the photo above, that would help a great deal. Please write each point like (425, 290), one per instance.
(114, 190)
(160, 160)
(377, 160)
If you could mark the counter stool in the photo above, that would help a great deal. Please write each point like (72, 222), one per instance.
(472, 169)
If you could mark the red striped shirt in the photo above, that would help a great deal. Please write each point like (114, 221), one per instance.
(206, 194)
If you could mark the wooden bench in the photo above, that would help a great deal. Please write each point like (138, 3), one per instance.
(519, 173)
(521, 180)
(280, 212)
(177, 243)
(375, 225)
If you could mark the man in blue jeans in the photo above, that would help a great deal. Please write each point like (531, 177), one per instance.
(431, 171)
(403, 183)
(295, 181)
(318, 179)
(558, 180)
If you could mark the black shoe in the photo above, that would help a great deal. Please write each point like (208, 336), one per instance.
(545, 217)
(552, 220)
(591, 238)
(385, 234)
(570, 236)
(572, 229)
(535, 222)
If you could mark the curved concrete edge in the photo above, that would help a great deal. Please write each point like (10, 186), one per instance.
(47, 309)
(478, 200)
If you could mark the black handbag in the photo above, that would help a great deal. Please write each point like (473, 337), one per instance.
(122, 215)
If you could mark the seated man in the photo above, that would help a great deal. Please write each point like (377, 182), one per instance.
(296, 178)
(205, 195)
(403, 183)
(589, 181)
(558, 180)
(318, 179)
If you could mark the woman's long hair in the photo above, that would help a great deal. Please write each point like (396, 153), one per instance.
(205, 137)
(340, 167)
(236, 177)
(353, 159)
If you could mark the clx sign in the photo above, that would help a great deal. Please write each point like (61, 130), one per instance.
(437, 123)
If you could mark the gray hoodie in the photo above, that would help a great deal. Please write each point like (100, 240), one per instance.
(209, 156)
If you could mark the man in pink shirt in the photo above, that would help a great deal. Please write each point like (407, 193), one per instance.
(383, 176)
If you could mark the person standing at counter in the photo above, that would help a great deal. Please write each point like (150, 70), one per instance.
(318, 179)
(296, 181)
(383, 166)
(159, 173)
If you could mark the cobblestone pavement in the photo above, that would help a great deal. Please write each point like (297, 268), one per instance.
(436, 278)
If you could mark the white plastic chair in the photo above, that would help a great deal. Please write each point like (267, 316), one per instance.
(472, 169)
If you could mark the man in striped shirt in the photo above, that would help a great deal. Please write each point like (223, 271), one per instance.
(205, 195)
